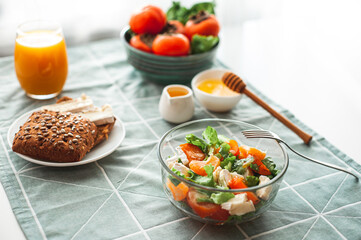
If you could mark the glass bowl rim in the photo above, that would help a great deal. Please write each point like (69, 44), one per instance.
(254, 188)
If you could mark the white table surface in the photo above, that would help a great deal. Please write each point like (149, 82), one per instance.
(307, 59)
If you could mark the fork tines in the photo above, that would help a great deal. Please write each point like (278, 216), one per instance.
(257, 133)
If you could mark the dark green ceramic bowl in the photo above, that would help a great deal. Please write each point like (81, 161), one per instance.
(167, 70)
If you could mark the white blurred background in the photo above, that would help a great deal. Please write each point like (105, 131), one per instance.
(304, 54)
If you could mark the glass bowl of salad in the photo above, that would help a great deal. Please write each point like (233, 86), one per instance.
(213, 174)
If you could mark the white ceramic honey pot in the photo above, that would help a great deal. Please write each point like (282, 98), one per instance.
(176, 104)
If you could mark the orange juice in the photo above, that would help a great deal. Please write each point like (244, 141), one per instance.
(41, 62)
(215, 87)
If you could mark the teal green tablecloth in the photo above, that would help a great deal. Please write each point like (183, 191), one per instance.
(121, 197)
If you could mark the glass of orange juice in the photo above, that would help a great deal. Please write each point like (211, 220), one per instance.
(41, 62)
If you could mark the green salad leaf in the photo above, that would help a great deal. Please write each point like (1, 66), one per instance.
(254, 167)
(223, 139)
(210, 135)
(173, 179)
(217, 198)
(203, 180)
(182, 14)
(238, 167)
(252, 181)
(201, 44)
(193, 139)
(205, 6)
(271, 166)
(224, 150)
(228, 162)
(178, 12)
(204, 200)
(221, 197)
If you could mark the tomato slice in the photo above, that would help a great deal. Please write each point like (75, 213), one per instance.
(263, 170)
(198, 166)
(192, 152)
(220, 215)
(202, 209)
(237, 183)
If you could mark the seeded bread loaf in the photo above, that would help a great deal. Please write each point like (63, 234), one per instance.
(55, 136)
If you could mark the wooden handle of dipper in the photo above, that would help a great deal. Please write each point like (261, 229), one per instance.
(236, 84)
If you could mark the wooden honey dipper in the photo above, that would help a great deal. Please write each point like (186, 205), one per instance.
(236, 84)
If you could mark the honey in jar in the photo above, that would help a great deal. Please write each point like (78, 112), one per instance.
(215, 87)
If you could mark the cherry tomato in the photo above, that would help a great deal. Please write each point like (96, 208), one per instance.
(192, 152)
(136, 42)
(203, 209)
(202, 24)
(150, 19)
(171, 45)
(179, 27)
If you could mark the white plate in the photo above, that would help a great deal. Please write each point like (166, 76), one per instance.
(101, 150)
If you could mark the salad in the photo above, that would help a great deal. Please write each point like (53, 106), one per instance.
(178, 32)
(221, 163)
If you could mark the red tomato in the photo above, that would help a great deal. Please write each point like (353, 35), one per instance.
(203, 209)
(150, 19)
(208, 26)
(179, 27)
(171, 45)
(136, 42)
(192, 152)
(220, 215)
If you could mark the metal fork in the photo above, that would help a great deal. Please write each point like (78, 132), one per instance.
(258, 133)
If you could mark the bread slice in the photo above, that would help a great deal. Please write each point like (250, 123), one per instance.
(102, 117)
(67, 104)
